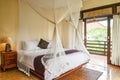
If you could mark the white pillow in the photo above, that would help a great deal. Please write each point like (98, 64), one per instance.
(30, 45)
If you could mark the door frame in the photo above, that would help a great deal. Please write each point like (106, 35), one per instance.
(108, 37)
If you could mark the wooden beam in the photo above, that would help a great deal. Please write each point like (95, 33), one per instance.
(85, 32)
(108, 41)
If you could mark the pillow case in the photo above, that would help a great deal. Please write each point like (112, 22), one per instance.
(43, 44)
(30, 45)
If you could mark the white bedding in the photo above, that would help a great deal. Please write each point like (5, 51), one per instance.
(27, 56)
(55, 68)
(64, 64)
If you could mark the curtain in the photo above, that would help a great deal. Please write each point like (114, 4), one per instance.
(73, 33)
(76, 33)
(115, 59)
(80, 28)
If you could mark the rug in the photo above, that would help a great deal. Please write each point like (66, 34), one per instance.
(84, 74)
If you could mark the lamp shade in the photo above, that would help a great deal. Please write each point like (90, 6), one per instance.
(7, 40)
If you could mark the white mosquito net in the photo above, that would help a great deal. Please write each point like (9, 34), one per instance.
(54, 11)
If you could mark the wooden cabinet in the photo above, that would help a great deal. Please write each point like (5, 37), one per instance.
(8, 60)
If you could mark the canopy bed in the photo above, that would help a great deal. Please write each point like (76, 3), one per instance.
(29, 59)
(49, 59)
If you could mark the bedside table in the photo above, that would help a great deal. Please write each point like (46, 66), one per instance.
(8, 60)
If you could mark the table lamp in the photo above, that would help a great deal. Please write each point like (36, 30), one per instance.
(7, 40)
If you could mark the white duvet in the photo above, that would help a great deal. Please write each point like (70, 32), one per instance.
(60, 65)
(27, 56)
(56, 66)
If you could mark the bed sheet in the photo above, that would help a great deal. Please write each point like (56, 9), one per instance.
(27, 57)
(58, 66)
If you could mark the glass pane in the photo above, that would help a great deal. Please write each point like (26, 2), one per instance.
(97, 30)
(97, 35)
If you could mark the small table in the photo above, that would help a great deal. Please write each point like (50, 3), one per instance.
(8, 60)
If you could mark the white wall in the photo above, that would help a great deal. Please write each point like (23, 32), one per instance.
(8, 21)
(31, 25)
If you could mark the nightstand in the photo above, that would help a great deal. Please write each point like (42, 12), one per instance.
(8, 60)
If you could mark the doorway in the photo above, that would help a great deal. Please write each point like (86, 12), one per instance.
(97, 36)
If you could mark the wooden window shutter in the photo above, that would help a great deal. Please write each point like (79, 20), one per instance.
(99, 12)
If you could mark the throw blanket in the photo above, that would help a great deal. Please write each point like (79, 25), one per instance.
(71, 51)
(39, 68)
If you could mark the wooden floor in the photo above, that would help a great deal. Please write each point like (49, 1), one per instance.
(97, 62)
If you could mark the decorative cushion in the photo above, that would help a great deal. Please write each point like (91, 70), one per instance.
(43, 44)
